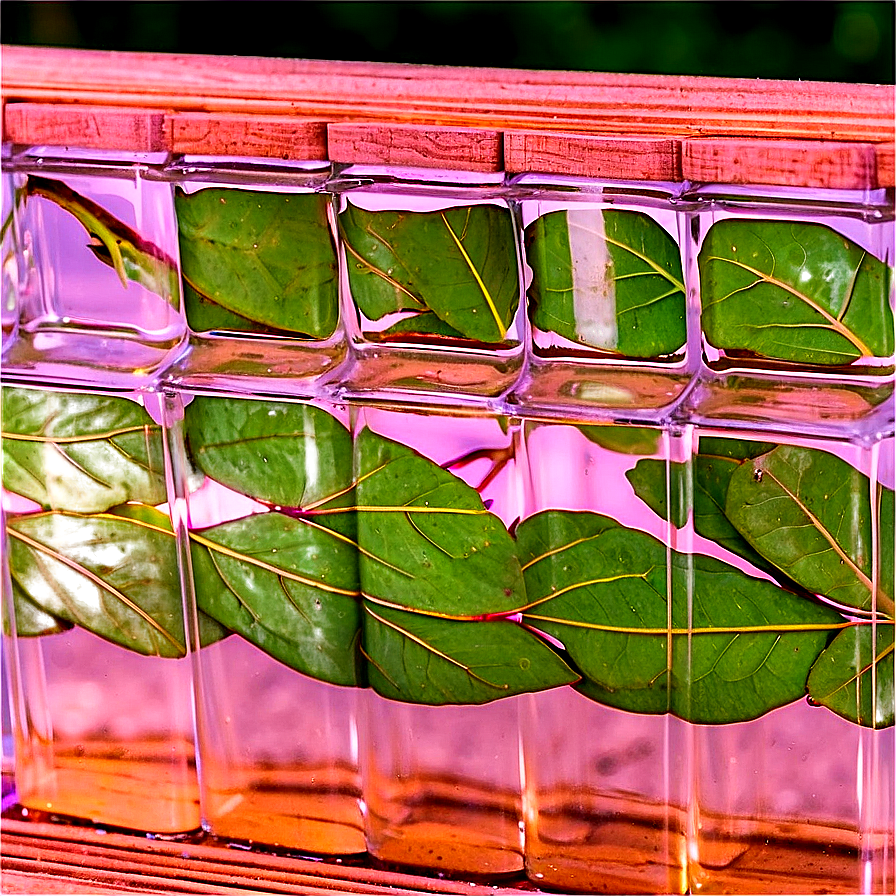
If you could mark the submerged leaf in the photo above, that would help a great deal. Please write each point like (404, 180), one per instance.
(427, 541)
(810, 514)
(31, 620)
(853, 677)
(265, 256)
(459, 263)
(425, 659)
(795, 292)
(80, 452)
(623, 439)
(610, 279)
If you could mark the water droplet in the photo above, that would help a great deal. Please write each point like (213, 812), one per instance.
(757, 475)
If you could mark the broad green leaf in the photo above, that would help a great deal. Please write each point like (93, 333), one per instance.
(111, 574)
(205, 315)
(265, 256)
(459, 263)
(809, 513)
(795, 292)
(853, 677)
(743, 647)
(623, 439)
(609, 279)
(425, 323)
(292, 455)
(112, 241)
(289, 586)
(31, 620)
(427, 541)
(424, 659)
(80, 452)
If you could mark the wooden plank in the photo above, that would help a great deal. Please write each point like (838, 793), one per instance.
(91, 127)
(467, 149)
(835, 165)
(497, 98)
(260, 136)
(622, 158)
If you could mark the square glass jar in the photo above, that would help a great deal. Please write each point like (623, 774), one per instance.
(93, 261)
(100, 678)
(432, 282)
(794, 764)
(260, 277)
(606, 775)
(271, 525)
(447, 655)
(607, 298)
(796, 291)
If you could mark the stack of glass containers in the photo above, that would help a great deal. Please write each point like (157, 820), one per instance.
(496, 525)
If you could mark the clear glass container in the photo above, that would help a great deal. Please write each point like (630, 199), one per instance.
(606, 781)
(447, 657)
(94, 246)
(99, 675)
(794, 781)
(260, 276)
(432, 282)
(606, 301)
(796, 292)
(274, 561)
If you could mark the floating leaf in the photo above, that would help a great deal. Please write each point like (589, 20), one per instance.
(853, 677)
(809, 513)
(609, 279)
(424, 659)
(266, 256)
(742, 647)
(427, 541)
(287, 585)
(795, 292)
(112, 241)
(292, 455)
(459, 263)
(80, 452)
(112, 574)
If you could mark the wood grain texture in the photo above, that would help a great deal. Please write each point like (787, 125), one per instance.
(885, 157)
(479, 97)
(618, 158)
(426, 146)
(258, 136)
(835, 165)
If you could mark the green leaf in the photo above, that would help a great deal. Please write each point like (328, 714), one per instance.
(459, 263)
(740, 647)
(31, 620)
(610, 279)
(287, 585)
(268, 257)
(112, 241)
(795, 292)
(291, 455)
(424, 659)
(423, 324)
(80, 452)
(112, 574)
(853, 677)
(205, 315)
(623, 439)
(427, 541)
(810, 514)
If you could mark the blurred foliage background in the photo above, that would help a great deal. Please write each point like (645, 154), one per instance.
(827, 41)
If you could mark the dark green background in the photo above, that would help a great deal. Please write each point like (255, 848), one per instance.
(827, 41)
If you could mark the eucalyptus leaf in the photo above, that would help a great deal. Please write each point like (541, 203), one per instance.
(810, 514)
(424, 659)
(292, 455)
(80, 452)
(112, 241)
(610, 279)
(793, 291)
(740, 646)
(427, 542)
(265, 256)
(287, 585)
(459, 263)
(853, 677)
(112, 574)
